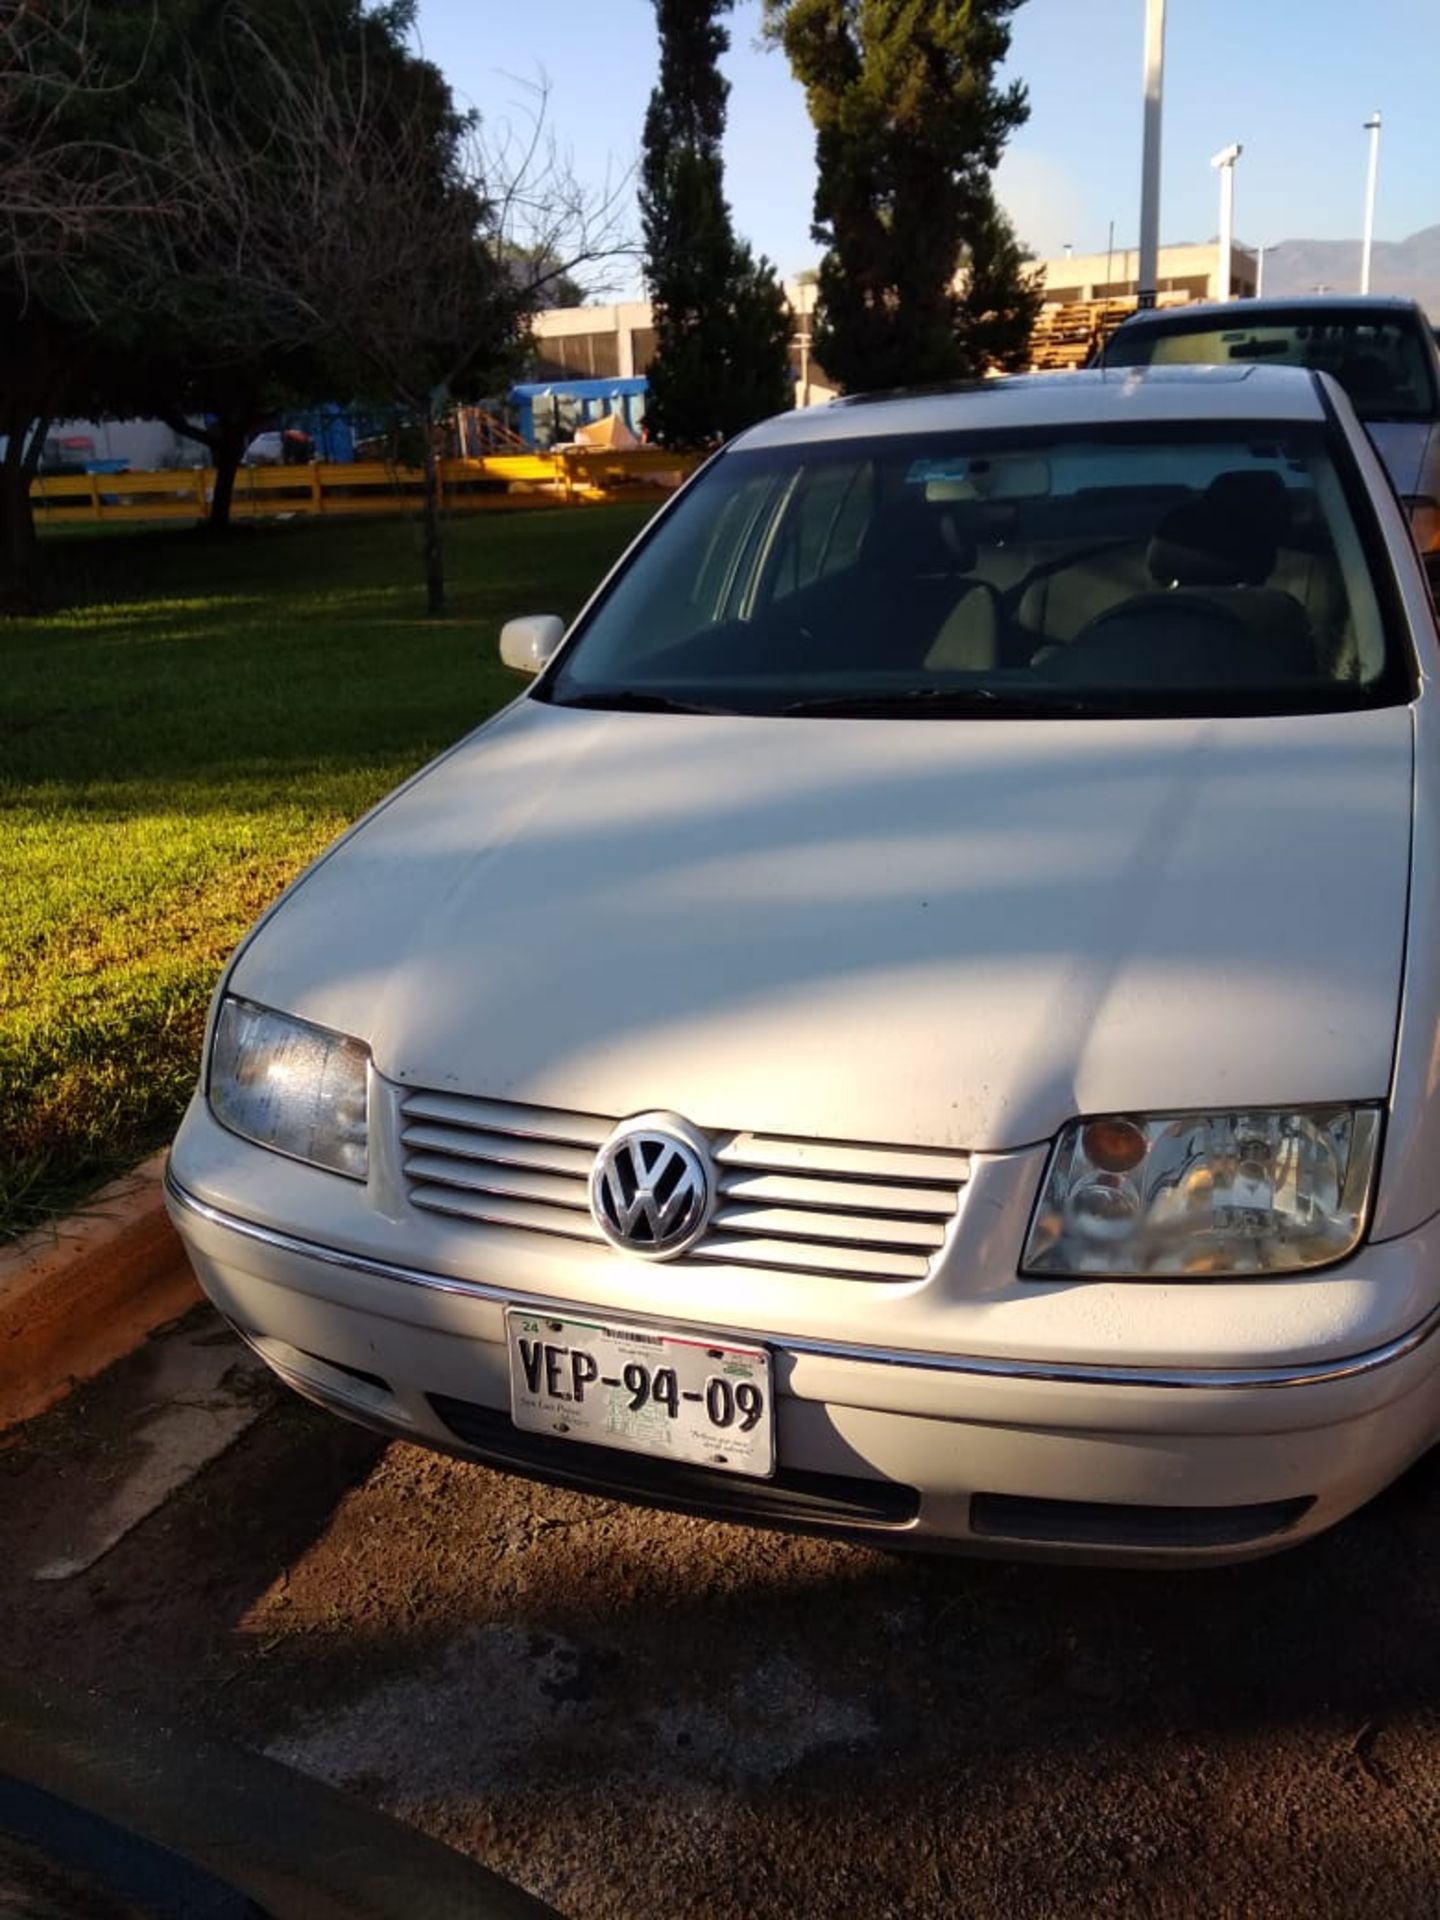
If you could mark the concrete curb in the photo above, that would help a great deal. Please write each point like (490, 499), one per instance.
(75, 1296)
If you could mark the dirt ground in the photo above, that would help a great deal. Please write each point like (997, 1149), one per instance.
(631, 1713)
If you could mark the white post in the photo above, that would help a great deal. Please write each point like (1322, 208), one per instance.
(1225, 161)
(1372, 127)
(1149, 272)
(1259, 272)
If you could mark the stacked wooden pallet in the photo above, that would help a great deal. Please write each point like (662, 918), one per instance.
(1065, 336)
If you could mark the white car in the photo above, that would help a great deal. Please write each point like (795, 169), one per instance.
(922, 1021)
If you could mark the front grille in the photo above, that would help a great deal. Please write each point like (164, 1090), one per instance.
(806, 1206)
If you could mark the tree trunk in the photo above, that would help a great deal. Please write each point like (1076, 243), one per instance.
(19, 559)
(228, 447)
(19, 552)
(434, 540)
(225, 443)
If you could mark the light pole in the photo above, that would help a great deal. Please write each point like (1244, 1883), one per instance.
(1225, 161)
(804, 325)
(1372, 127)
(1149, 267)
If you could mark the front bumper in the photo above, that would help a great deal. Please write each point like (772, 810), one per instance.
(1143, 1463)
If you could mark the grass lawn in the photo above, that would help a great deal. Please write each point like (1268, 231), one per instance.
(201, 719)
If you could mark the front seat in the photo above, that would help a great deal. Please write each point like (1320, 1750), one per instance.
(1212, 620)
(920, 559)
(969, 640)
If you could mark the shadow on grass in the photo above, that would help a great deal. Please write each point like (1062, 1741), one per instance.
(278, 652)
(105, 564)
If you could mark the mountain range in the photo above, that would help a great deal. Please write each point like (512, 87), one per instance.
(1410, 267)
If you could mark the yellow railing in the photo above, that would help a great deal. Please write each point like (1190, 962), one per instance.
(568, 477)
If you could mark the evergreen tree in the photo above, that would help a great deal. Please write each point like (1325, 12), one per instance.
(721, 323)
(910, 125)
(1001, 293)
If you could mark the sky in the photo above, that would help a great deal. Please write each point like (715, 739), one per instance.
(1292, 80)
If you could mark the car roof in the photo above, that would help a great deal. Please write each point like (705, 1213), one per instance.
(1093, 397)
(1247, 312)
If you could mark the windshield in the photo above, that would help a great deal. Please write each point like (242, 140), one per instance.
(1382, 362)
(1184, 569)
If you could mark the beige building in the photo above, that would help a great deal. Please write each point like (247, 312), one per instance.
(1085, 293)
(1183, 273)
(594, 343)
(618, 342)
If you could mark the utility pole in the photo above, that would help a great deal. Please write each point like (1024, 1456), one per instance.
(1149, 273)
(1372, 127)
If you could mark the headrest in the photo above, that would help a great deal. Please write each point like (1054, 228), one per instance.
(1256, 494)
(914, 538)
(1210, 542)
(1366, 377)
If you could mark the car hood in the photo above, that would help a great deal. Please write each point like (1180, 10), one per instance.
(918, 931)
(1404, 446)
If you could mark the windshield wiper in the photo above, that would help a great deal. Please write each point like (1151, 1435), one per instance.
(944, 702)
(634, 700)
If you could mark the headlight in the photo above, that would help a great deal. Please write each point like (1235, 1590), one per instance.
(290, 1086)
(1205, 1193)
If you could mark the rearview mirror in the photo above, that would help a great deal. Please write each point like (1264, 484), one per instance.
(530, 643)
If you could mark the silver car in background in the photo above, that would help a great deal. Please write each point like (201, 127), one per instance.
(1381, 350)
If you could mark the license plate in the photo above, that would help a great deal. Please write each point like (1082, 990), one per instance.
(707, 1402)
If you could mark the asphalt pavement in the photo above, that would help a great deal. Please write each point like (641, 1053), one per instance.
(630, 1713)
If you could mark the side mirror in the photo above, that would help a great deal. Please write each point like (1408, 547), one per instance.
(530, 644)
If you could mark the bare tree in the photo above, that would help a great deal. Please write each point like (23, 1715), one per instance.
(373, 221)
(546, 220)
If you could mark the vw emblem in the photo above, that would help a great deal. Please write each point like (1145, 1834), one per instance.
(650, 1188)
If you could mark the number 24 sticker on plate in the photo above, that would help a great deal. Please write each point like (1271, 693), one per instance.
(709, 1403)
